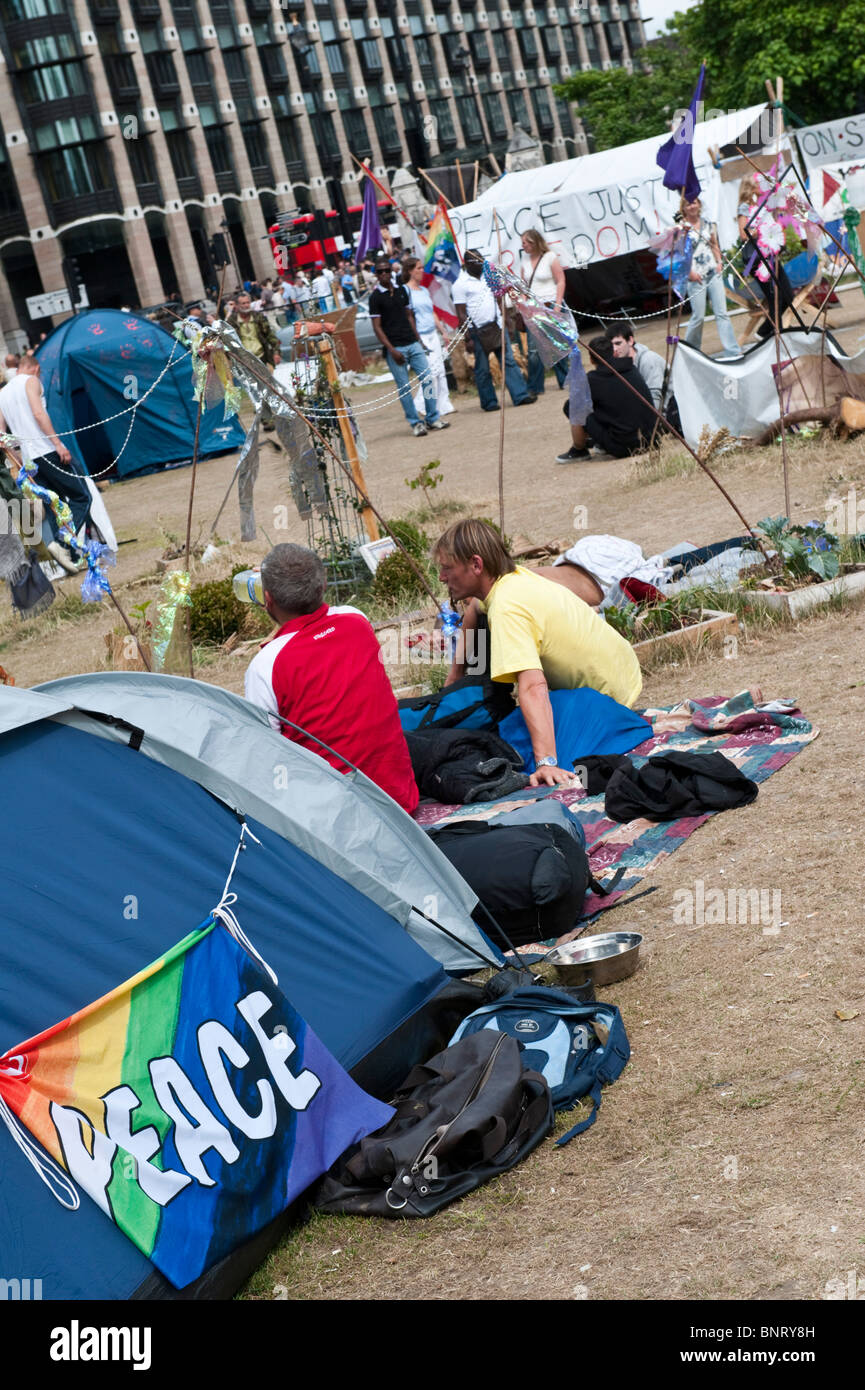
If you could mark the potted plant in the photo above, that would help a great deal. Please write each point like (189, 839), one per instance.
(679, 620)
(808, 566)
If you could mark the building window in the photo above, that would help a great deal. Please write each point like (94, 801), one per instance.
(495, 115)
(14, 10)
(592, 45)
(480, 48)
(335, 60)
(370, 56)
(386, 127)
(73, 131)
(543, 111)
(635, 35)
(256, 148)
(424, 52)
(218, 149)
(444, 122)
(398, 54)
(550, 40)
(37, 51)
(151, 39)
(356, 133)
(501, 49)
(235, 66)
(52, 83)
(470, 118)
(181, 154)
(519, 110)
(141, 161)
(198, 67)
(528, 41)
(289, 140)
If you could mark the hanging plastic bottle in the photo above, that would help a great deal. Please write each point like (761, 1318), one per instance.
(248, 588)
(451, 624)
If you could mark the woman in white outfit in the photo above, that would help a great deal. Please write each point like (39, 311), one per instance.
(422, 308)
(542, 271)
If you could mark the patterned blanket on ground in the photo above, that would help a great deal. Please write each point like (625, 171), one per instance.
(758, 738)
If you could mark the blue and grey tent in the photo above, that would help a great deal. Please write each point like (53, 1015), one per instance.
(157, 774)
(97, 365)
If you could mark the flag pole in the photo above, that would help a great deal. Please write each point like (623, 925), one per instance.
(504, 394)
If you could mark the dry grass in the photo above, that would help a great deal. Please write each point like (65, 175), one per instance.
(727, 1161)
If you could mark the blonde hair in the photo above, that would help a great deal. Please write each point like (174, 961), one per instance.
(748, 189)
(465, 539)
(536, 241)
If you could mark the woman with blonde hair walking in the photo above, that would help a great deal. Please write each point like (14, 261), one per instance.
(543, 273)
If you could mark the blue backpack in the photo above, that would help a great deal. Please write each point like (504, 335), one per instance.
(577, 1048)
(471, 703)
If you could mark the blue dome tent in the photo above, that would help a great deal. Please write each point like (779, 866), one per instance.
(166, 769)
(97, 364)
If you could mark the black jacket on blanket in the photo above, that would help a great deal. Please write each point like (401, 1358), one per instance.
(670, 785)
(463, 765)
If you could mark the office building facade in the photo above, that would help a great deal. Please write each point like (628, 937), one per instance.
(133, 130)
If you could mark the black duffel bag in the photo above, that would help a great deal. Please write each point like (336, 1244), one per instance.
(533, 879)
(462, 1118)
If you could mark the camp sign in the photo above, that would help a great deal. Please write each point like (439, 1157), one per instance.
(833, 142)
(192, 1103)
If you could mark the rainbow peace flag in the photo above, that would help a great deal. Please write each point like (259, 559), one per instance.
(192, 1103)
(441, 257)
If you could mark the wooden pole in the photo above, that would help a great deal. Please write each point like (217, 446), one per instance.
(779, 125)
(327, 356)
(189, 523)
(460, 177)
(504, 394)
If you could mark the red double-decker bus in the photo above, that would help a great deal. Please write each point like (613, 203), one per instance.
(301, 239)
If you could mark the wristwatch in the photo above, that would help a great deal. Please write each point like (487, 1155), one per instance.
(546, 762)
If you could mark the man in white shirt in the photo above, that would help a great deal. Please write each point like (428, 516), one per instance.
(321, 289)
(475, 302)
(23, 414)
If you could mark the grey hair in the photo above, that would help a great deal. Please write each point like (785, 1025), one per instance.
(295, 577)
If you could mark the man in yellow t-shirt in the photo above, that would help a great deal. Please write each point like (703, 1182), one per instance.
(542, 636)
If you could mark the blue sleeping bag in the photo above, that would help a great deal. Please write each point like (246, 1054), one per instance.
(587, 723)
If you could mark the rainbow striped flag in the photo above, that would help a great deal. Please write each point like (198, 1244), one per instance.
(192, 1103)
(441, 257)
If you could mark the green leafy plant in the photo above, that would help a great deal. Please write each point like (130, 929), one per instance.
(802, 550)
(412, 537)
(395, 578)
(216, 613)
(427, 479)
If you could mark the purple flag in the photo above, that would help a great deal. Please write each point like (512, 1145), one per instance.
(676, 156)
(370, 231)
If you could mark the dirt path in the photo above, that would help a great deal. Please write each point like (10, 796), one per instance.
(728, 1160)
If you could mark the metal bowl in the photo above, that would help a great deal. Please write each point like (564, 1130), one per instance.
(603, 959)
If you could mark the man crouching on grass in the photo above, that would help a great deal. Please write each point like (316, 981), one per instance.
(322, 670)
(542, 636)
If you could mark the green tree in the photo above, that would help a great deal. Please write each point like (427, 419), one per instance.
(816, 47)
(617, 106)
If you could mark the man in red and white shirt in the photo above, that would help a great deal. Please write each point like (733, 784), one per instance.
(323, 671)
